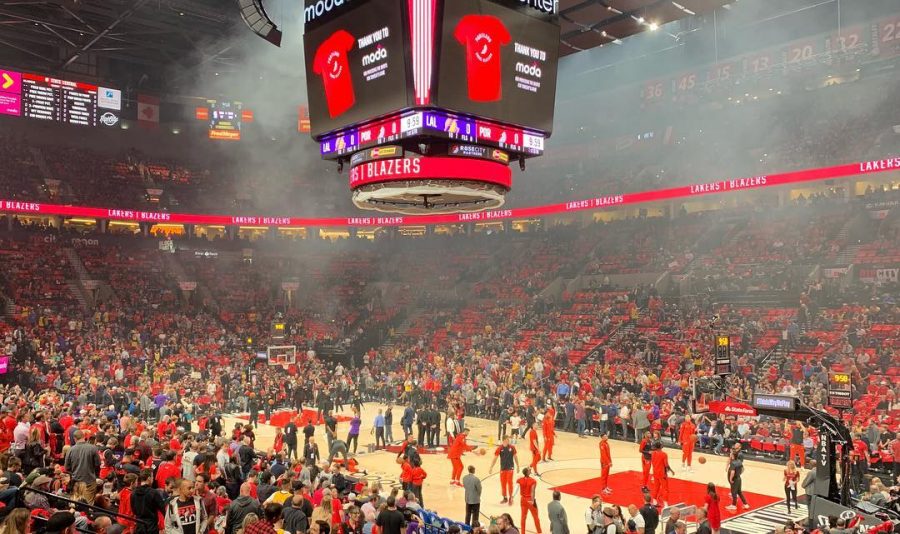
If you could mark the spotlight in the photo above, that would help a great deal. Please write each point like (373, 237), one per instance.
(654, 26)
(255, 17)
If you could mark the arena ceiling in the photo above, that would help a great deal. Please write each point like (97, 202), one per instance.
(587, 24)
(91, 36)
(124, 38)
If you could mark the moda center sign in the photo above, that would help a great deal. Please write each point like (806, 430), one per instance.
(316, 9)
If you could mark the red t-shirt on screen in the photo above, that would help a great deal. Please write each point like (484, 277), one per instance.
(483, 35)
(330, 62)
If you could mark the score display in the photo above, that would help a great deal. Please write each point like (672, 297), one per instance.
(499, 63)
(840, 390)
(42, 97)
(225, 120)
(436, 124)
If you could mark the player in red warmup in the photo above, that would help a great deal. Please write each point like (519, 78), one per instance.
(535, 448)
(509, 459)
(605, 463)
(687, 436)
(549, 427)
(527, 487)
(454, 453)
(661, 470)
(645, 449)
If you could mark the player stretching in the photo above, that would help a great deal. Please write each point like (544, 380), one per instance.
(661, 470)
(605, 463)
(454, 453)
(527, 488)
(549, 426)
(534, 447)
(509, 459)
(687, 436)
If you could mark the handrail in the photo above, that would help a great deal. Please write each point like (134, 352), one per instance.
(103, 511)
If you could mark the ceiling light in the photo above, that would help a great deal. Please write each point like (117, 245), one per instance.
(640, 20)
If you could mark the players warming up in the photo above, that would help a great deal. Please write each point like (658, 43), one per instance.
(646, 449)
(454, 453)
(605, 463)
(660, 463)
(687, 436)
(549, 426)
(527, 488)
(534, 447)
(509, 459)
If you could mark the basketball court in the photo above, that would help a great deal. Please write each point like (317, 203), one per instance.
(575, 472)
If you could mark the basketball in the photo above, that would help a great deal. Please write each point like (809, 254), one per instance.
(702, 460)
(482, 452)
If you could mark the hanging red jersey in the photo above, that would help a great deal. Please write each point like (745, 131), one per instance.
(330, 62)
(483, 35)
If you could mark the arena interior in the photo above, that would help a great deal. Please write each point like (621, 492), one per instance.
(682, 316)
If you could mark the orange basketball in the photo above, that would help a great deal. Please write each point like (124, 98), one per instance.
(482, 452)
(702, 460)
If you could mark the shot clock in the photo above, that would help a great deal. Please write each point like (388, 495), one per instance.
(723, 355)
(840, 390)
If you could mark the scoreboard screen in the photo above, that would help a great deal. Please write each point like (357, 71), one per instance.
(498, 63)
(356, 66)
(225, 120)
(45, 98)
(436, 124)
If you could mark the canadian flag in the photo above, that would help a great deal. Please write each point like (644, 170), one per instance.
(148, 111)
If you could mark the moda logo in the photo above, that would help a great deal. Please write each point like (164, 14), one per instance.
(531, 70)
(321, 7)
(380, 54)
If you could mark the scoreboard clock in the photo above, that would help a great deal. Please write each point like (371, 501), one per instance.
(840, 390)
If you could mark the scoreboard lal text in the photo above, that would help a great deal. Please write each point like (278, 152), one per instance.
(436, 124)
